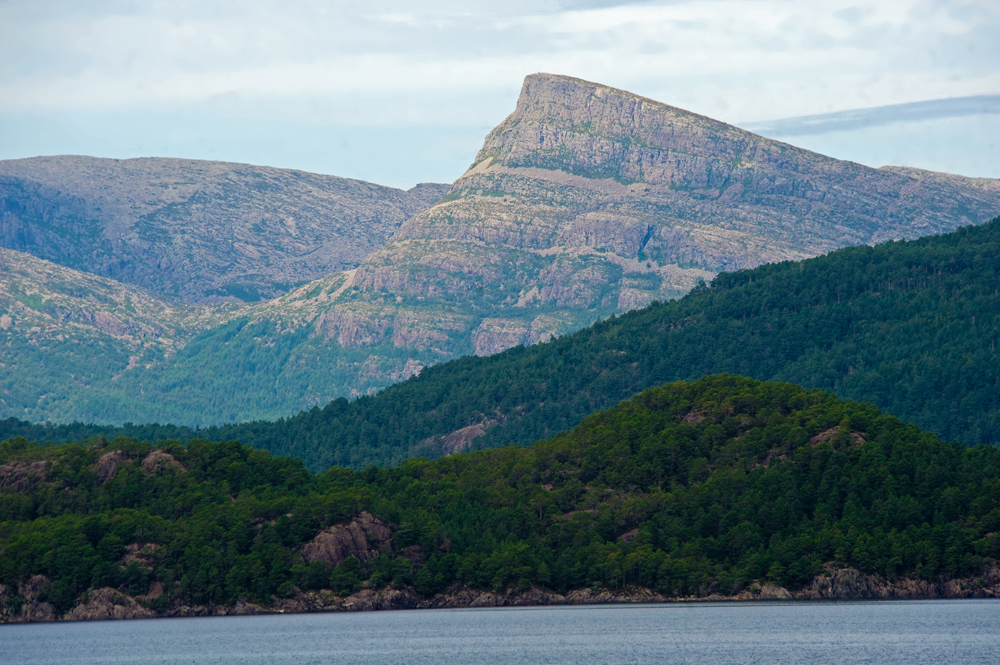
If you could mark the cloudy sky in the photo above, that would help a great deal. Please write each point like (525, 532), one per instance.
(403, 92)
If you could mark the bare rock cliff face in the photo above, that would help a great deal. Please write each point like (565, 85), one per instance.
(199, 230)
(589, 200)
(106, 603)
(361, 538)
(24, 604)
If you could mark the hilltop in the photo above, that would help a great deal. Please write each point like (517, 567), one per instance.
(725, 488)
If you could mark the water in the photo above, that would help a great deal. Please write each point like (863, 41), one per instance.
(963, 631)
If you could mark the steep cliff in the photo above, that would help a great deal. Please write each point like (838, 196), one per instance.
(589, 200)
(198, 230)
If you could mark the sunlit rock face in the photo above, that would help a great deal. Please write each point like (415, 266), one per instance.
(589, 200)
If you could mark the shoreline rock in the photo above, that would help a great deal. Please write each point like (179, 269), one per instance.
(842, 584)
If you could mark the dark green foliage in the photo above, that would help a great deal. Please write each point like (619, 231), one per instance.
(690, 488)
(222, 521)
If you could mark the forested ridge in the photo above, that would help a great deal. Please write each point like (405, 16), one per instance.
(911, 327)
(687, 489)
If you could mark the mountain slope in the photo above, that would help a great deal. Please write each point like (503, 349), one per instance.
(69, 340)
(76, 346)
(197, 230)
(723, 486)
(912, 327)
(588, 201)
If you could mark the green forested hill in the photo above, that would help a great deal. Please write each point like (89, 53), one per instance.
(911, 327)
(687, 489)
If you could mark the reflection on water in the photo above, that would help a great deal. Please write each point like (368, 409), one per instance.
(963, 631)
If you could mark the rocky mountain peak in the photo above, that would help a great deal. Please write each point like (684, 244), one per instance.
(596, 130)
(589, 200)
(569, 101)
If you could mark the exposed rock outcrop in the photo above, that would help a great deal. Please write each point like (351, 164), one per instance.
(461, 439)
(362, 538)
(25, 604)
(159, 460)
(105, 603)
(851, 584)
(107, 464)
(19, 476)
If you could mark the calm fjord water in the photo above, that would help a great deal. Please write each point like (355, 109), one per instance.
(966, 631)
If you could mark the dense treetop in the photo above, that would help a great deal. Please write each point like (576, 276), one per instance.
(690, 488)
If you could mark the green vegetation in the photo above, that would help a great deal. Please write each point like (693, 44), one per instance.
(688, 489)
(911, 327)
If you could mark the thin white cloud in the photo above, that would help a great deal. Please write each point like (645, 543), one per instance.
(448, 63)
(160, 54)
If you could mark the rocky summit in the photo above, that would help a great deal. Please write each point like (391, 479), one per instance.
(589, 200)
(198, 230)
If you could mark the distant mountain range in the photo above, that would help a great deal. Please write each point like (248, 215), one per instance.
(200, 231)
(586, 201)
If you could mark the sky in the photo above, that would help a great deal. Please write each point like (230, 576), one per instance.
(401, 92)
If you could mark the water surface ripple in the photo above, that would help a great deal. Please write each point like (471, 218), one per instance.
(963, 631)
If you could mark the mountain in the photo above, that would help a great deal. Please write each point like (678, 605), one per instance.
(724, 488)
(588, 201)
(197, 230)
(912, 327)
(76, 346)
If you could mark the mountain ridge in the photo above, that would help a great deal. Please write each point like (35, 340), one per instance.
(200, 230)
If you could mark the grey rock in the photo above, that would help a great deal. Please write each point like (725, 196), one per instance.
(200, 230)
(106, 603)
(363, 537)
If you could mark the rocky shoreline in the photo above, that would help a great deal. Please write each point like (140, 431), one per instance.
(843, 584)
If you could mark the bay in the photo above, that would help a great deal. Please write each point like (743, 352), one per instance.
(952, 631)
